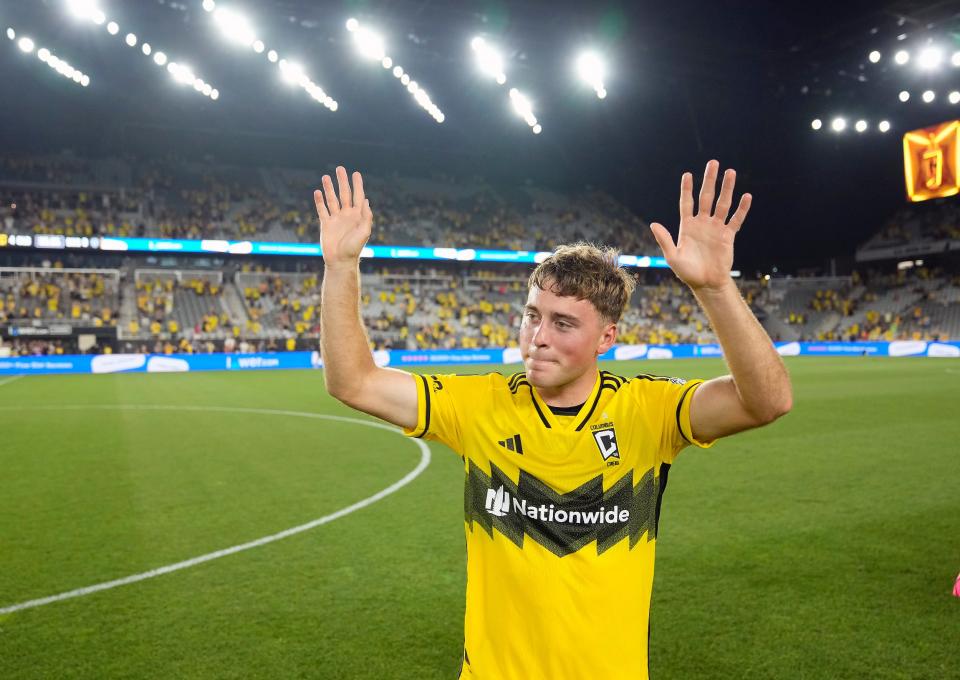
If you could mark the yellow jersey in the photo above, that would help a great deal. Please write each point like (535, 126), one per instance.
(560, 515)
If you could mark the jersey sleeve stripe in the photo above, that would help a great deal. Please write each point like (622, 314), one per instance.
(426, 405)
(680, 408)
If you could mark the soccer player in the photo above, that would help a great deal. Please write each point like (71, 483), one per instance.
(565, 465)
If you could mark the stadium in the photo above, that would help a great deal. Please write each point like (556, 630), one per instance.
(192, 486)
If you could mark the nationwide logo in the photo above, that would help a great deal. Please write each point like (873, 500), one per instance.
(512, 444)
(563, 523)
(498, 502)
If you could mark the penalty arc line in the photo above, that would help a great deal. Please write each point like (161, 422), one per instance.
(10, 380)
(186, 564)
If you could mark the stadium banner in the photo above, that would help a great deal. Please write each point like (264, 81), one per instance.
(54, 330)
(224, 247)
(181, 363)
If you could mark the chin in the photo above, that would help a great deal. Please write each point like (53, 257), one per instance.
(541, 376)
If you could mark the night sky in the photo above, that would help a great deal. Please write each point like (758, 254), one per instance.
(689, 81)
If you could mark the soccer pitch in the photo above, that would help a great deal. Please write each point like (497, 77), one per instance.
(823, 546)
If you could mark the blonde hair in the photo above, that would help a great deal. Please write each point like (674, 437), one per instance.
(587, 272)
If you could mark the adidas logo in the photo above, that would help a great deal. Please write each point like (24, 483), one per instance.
(512, 444)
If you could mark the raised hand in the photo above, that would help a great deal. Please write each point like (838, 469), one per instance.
(345, 223)
(703, 255)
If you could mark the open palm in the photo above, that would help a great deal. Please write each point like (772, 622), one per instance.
(345, 222)
(703, 254)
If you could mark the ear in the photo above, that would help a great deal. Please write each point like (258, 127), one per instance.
(607, 339)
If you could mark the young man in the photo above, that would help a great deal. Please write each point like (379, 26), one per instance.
(565, 465)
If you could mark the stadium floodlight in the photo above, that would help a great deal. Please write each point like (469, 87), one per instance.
(524, 108)
(12, 34)
(816, 124)
(90, 10)
(929, 58)
(904, 96)
(838, 125)
(901, 57)
(874, 56)
(955, 59)
(861, 126)
(488, 59)
(929, 96)
(537, 129)
(884, 126)
(209, 5)
(291, 72)
(46, 56)
(954, 97)
(592, 71)
(235, 27)
(371, 45)
(84, 9)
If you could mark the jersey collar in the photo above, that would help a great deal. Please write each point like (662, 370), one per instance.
(572, 424)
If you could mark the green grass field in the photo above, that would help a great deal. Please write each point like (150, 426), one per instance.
(824, 546)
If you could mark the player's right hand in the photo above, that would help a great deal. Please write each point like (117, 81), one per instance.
(345, 223)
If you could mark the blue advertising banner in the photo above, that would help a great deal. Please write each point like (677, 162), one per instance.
(179, 363)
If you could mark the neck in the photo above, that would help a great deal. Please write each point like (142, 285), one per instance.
(572, 393)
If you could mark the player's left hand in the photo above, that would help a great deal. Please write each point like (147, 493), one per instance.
(703, 255)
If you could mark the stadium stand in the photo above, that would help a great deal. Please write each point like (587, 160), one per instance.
(178, 199)
(166, 304)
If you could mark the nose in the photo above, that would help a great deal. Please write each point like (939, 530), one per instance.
(539, 337)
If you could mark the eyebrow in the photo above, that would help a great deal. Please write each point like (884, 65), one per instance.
(556, 315)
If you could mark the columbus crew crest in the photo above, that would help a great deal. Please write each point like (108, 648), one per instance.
(606, 438)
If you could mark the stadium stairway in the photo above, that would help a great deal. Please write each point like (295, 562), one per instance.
(232, 301)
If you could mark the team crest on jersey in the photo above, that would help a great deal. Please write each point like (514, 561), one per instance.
(606, 438)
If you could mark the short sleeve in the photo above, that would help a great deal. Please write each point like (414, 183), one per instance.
(445, 404)
(666, 401)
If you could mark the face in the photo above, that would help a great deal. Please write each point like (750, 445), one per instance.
(561, 337)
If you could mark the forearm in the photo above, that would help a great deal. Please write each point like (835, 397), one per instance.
(343, 340)
(761, 379)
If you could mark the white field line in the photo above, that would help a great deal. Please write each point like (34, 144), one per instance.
(9, 380)
(194, 561)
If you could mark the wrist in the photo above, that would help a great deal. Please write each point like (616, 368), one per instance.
(347, 265)
(716, 291)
